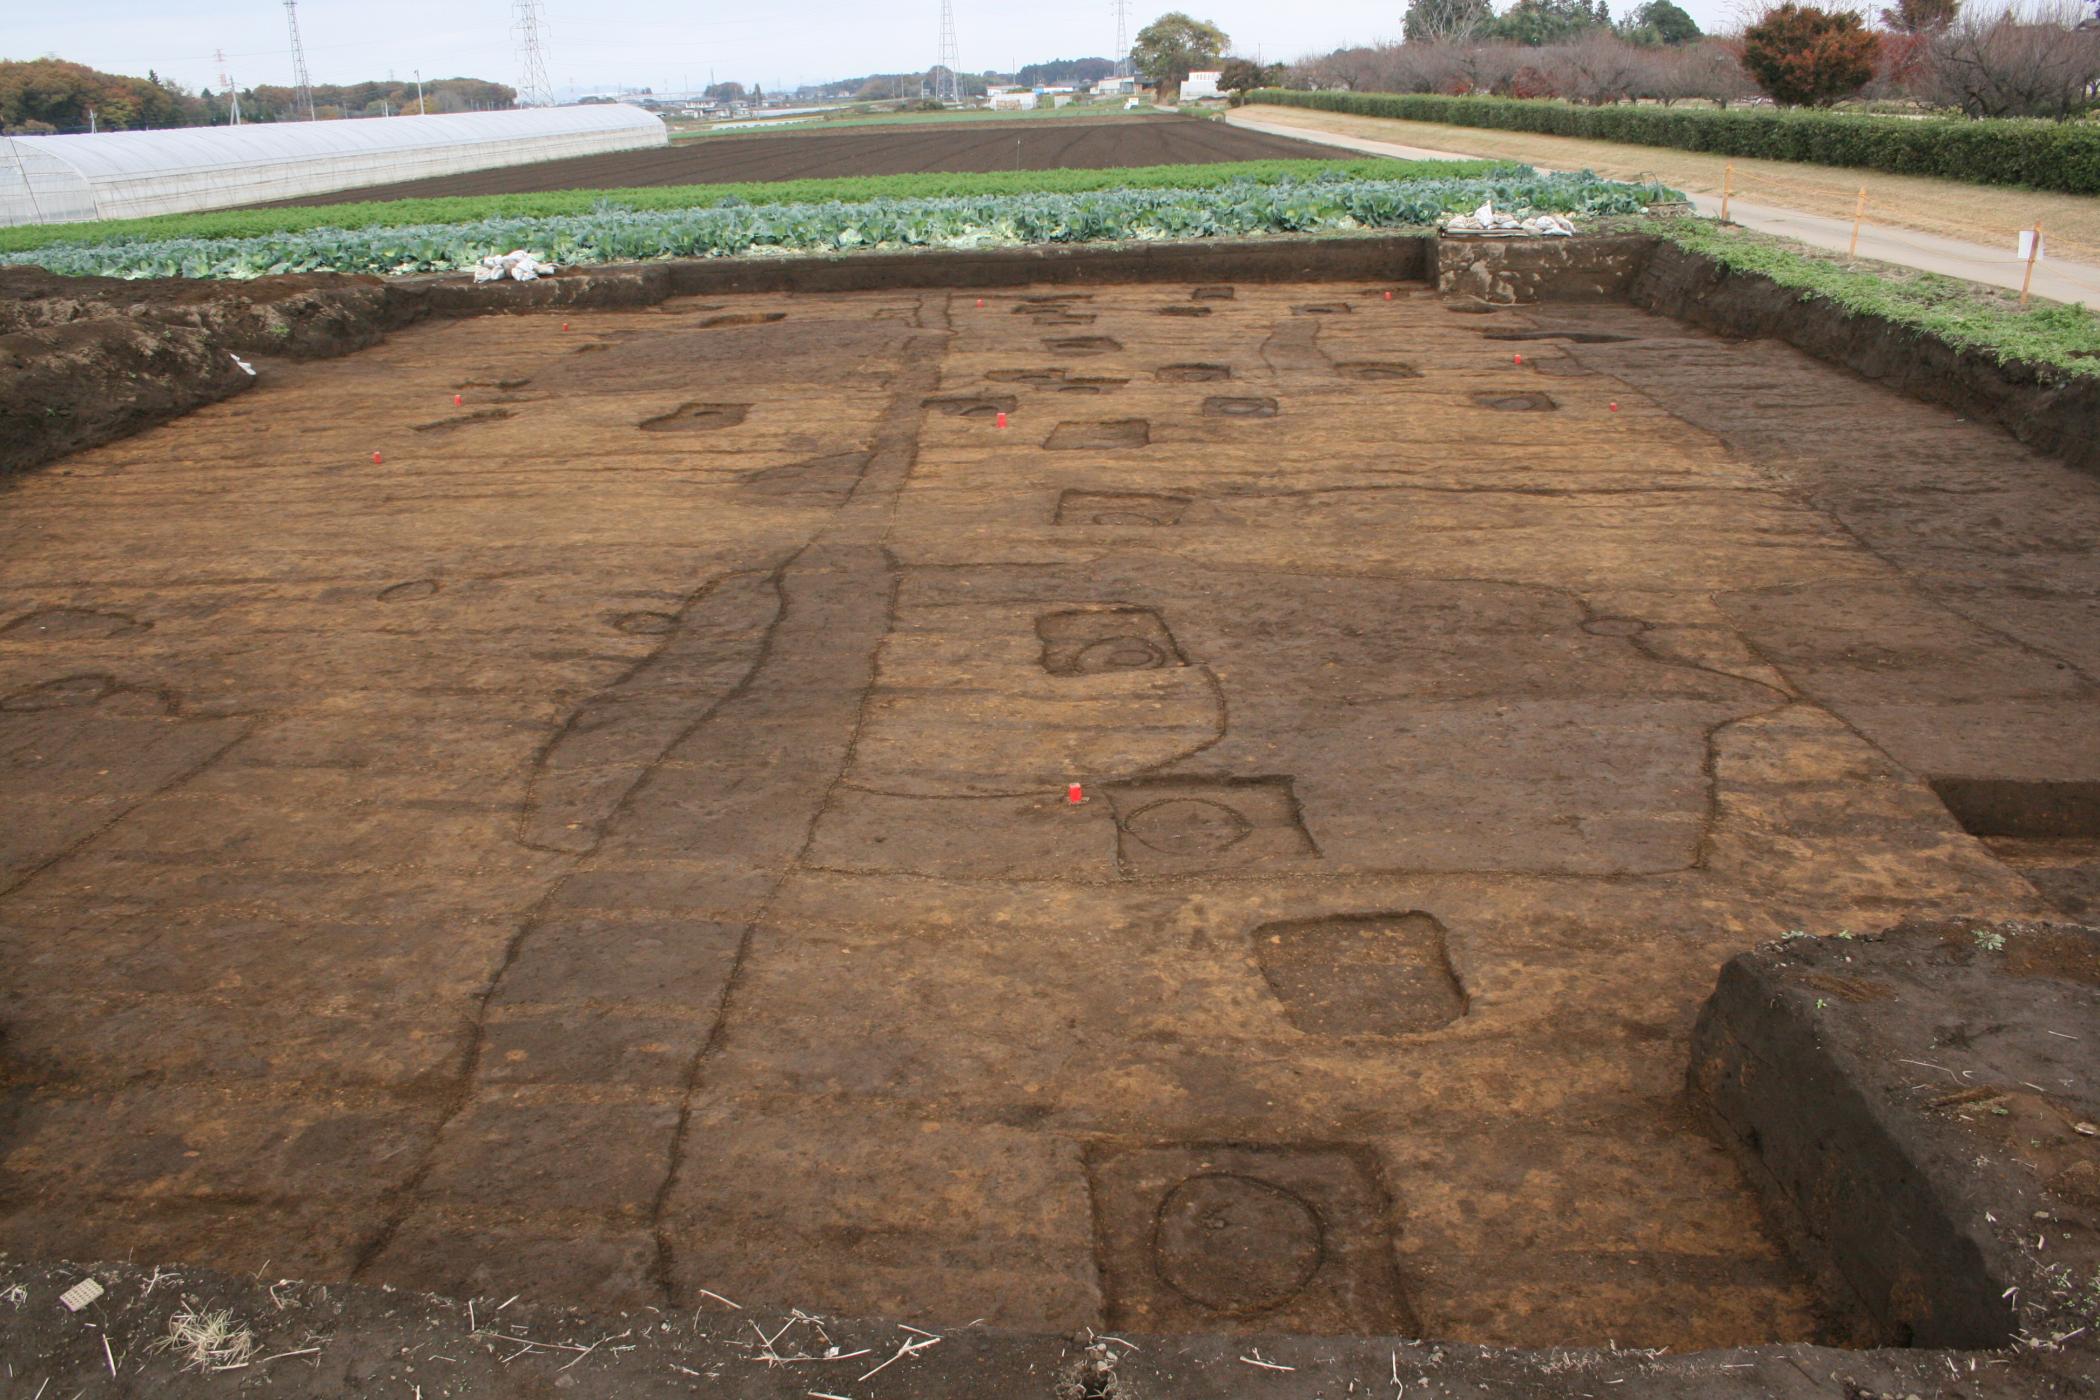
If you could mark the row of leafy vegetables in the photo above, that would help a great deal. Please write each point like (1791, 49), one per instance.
(612, 234)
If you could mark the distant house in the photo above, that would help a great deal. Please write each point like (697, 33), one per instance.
(1202, 84)
(1010, 99)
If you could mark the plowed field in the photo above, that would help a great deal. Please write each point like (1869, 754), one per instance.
(1077, 145)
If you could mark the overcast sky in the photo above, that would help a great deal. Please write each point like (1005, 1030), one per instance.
(653, 43)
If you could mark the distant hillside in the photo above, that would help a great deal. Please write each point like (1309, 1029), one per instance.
(888, 86)
(1066, 70)
(51, 95)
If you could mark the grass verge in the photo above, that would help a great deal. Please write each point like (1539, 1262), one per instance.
(466, 209)
(2062, 338)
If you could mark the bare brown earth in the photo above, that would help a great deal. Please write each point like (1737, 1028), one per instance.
(1046, 145)
(614, 848)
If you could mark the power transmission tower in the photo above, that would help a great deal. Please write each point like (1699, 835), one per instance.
(534, 88)
(302, 84)
(233, 94)
(1122, 11)
(947, 68)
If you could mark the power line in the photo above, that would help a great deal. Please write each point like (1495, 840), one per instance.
(534, 88)
(947, 82)
(302, 85)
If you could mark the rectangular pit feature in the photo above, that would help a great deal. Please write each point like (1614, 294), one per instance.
(2048, 831)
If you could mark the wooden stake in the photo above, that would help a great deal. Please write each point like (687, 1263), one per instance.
(1859, 214)
(1727, 189)
(2034, 250)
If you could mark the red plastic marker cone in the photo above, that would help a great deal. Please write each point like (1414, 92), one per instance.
(375, 459)
(1516, 359)
(457, 400)
(565, 325)
(980, 303)
(1614, 405)
(1073, 796)
(1388, 296)
(1001, 421)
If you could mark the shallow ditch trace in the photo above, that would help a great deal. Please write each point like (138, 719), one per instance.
(618, 846)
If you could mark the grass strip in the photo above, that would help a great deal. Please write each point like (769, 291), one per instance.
(2061, 337)
(468, 209)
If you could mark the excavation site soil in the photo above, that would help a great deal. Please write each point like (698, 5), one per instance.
(1102, 143)
(1157, 808)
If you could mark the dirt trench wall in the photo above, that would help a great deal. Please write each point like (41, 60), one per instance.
(1514, 271)
(88, 360)
(2062, 419)
(68, 387)
(1913, 1109)
(109, 383)
(1384, 258)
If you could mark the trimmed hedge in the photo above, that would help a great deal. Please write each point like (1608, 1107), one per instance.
(2041, 155)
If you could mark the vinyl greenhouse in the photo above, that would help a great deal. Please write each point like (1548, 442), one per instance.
(131, 174)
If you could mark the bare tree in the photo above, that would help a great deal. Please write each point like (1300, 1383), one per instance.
(2032, 60)
(1714, 69)
(1445, 21)
(1598, 68)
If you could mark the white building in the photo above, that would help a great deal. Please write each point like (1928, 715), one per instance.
(1202, 84)
(1010, 99)
(131, 174)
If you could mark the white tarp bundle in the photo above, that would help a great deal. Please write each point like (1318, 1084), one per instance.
(518, 265)
(1486, 220)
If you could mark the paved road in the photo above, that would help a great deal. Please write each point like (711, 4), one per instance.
(1999, 267)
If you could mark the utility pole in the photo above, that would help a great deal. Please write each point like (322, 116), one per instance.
(420, 109)
(534, 89)
(302, 84)
(947, 67)
(233, 96)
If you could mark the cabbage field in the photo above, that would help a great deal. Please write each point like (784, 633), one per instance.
(611, 233)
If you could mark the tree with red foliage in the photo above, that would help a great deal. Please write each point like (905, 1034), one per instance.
(1806, 57)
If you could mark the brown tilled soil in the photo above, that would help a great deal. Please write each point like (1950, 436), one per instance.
(935, 147)
(615, 847)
